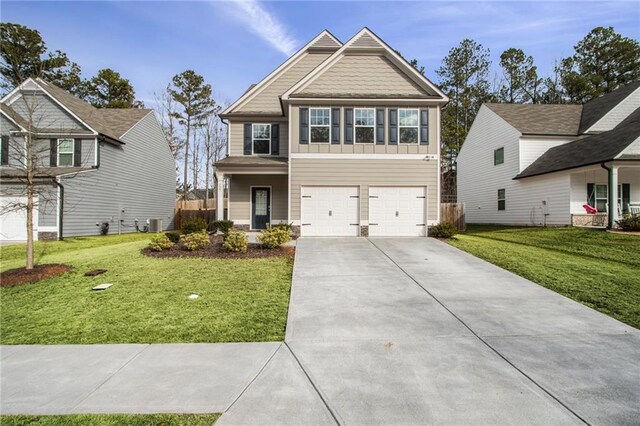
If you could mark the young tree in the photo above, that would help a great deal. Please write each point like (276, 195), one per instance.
(214, 138)
(194, 96)
(109, 90)
(521, 83)
(603, 61)
(24, 54)
(464, 78)
(167, 108)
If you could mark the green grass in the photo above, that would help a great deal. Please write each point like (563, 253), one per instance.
(593, 267)
(112, 420)
(240, 300)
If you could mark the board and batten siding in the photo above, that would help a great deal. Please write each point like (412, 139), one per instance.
(618, 113)
(363, 173)
(45, 113)
(364, 148)
(236, 133)
(138, 177)
(240, 196)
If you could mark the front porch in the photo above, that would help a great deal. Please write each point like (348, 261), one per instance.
(616, 184)
(257, 190)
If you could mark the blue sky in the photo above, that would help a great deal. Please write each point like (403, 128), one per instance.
(234, 43)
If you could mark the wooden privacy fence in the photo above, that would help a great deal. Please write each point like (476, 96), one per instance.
(195, 204)
(454, 213)
(183, 215)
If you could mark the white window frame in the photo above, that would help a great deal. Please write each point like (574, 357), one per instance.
(328, 126)
(417, 126)
(73, 152)
(494, 156)
(504, 199)
(606, 197)
(356, 126)
(253, 139)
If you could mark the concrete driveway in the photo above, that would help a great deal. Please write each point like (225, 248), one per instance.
(414, 331)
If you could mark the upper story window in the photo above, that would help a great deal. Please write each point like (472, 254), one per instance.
(320, 124)
(365, 123)
(65, 152)
(498, 156)
(4, 151)
(261, 139)
(408, 125)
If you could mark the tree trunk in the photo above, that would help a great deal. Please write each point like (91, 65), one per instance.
(195, 165)
(30, 194)
(206, 176)
(186, 160)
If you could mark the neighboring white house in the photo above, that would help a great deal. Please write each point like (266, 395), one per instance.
(540, 164)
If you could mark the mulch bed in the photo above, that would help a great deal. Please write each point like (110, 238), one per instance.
(215, 250)
(19, 276)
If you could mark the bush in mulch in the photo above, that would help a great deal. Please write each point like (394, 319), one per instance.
(216, 250)
(19, 276)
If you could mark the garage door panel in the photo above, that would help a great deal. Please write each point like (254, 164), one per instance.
(13, 224)
(330, 211)
(397, 211)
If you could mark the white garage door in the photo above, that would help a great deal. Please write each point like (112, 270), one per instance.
(13, 224)
(397, 211)
(330, 211)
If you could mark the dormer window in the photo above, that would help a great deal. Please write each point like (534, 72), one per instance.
(261, 139)
(65, 152)
(320, 124)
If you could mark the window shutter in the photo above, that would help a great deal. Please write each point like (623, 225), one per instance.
(304, 125)
(591, 195)
(77, 152)
(53, 153)
(275, 139)
(393, 127)
(335, 126)
(424, 127)
(626, 197)
(5, 151)
(247, 139)
(380, 126)
(348, 126)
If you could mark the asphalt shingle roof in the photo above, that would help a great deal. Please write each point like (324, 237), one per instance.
(540, 119)
(596, 108)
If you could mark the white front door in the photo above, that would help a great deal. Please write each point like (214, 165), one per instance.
(13, 224)
(330, 211)
(397, 211)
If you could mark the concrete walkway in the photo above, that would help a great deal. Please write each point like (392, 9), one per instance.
(380, 331)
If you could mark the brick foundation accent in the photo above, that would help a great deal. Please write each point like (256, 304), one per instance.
(589, 219)
(364, 230)
(47, 236)
(245, 228)
(295, 230)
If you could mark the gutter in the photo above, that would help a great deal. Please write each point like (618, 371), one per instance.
(610, 197)
(56, 182)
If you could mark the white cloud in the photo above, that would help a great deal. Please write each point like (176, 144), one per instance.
(265, 25)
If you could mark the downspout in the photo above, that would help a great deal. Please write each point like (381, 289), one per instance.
(610, 199)
(60, 208)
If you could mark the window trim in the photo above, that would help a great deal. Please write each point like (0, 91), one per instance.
(503, 199)
(417, 126)
(494, 156)
(253, 139)
(328, 126)
(73, 151)
(356, 126)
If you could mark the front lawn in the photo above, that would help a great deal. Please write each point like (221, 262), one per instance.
(112, 420)
(241, 300)
(593, 267)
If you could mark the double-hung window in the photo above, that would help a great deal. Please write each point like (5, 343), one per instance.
(408, 125)
(502, 199)
(65, 152)
(498, 156)
(365, 124)
(261, 139)
(320, 124)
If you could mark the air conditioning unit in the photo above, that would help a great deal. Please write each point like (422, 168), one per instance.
(155, 225)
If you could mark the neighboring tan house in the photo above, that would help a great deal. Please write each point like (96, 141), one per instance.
(93, 165)
(340, 140)
(540, 164)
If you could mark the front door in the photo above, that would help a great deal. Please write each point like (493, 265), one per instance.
(260, 207)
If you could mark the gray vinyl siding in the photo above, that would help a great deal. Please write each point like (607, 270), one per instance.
(240, 195)
(138, 177)
(16, 143)
(360, 148)
(364, 173)
(45, 113)
(236, 144)
(43, 150)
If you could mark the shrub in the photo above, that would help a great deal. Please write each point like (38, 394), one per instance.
(286, 226)
(223, 226)
(236, 241)
(629, 223)
(160, 242)
(174, 237)
(196, 240)
(443, 230)
(274, 237)
(197, 224)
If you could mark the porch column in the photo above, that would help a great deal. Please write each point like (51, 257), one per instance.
(613, 197)
(220, 196)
